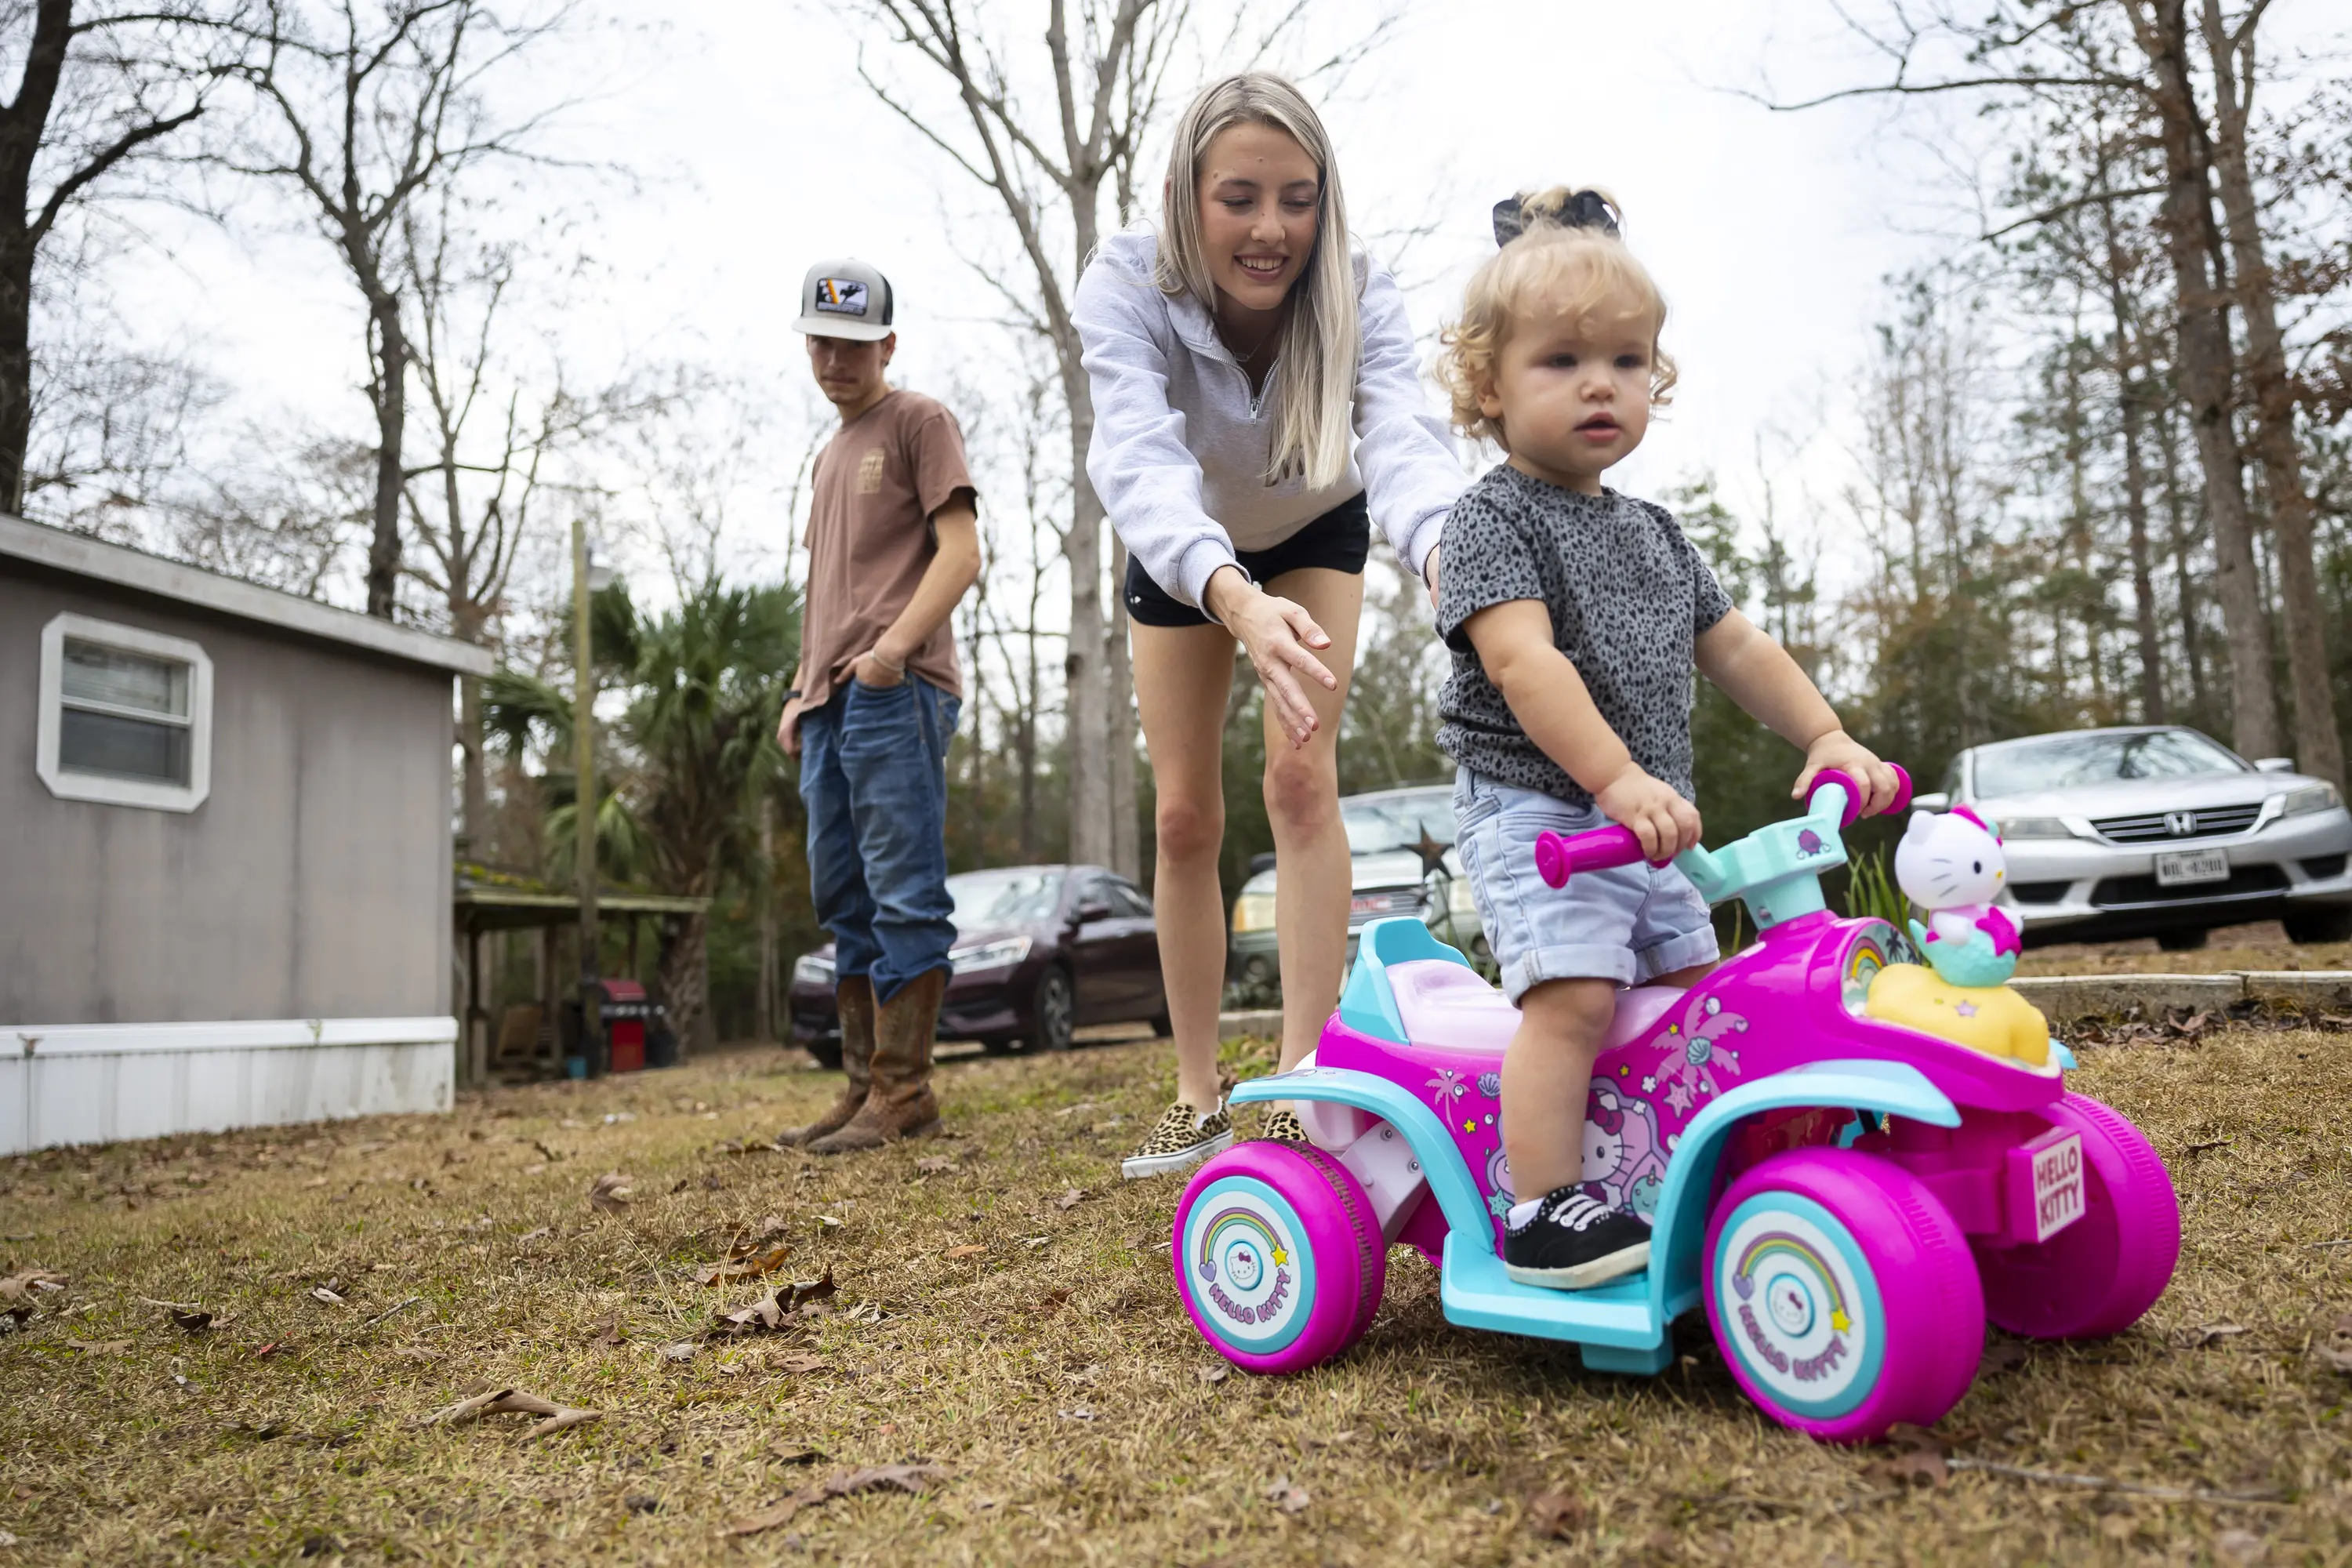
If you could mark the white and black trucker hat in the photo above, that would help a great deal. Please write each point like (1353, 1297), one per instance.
(844, 299)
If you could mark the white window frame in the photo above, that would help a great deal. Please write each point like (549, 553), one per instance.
(105, 789)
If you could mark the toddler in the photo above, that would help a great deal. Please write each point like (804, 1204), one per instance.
(1576, 616)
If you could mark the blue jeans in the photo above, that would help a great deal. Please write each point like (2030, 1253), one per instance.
(873, 780)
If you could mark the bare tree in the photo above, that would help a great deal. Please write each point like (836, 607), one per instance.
(93, 93)
(2270, 387)
(366, 106)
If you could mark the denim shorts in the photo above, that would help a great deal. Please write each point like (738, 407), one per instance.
(1630, 925)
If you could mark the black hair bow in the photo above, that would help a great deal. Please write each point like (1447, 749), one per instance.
(1585, 209)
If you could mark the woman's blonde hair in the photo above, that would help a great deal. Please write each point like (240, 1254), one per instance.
(1315, 371)
(1549, 238)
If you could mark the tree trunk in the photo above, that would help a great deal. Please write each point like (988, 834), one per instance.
(764, 999)
(2206, 376)
(2319, 748)
(1126, 850)
(1025, 738)
(2180, 523)
(391, 424)
(2130, 391)
(1085, 708)
(16, 363)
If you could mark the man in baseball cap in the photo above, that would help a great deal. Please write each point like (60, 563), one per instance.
(893, 542)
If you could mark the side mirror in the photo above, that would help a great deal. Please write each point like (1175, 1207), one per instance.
(1092, 909)
(1937, 801)
(1261, 863)
(2274, 764)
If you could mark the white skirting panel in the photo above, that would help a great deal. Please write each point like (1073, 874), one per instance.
(96, 1083)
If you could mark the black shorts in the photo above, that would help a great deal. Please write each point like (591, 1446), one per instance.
(1341, 539)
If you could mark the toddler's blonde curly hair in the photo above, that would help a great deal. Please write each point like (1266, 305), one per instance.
(1545, 252)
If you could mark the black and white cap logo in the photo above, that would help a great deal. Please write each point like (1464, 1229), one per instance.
(840, 297)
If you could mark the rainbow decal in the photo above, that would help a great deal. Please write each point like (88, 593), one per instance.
(1763, 1249)
(1240, 1240)
(1864, 959)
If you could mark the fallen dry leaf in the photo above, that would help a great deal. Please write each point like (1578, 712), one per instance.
(608, 1332)
(98, 1347)
(802, 1366)
(29, 1286)
(320, 1293)
(684, 1351)
(1918, 1456)
(2337, 1356)
(609, 1194)
(1215, 1373)
(772, 1310)
(2241, 1546)
(935, 1165)
(1287, 1498)
(2000, 1356)
(540, 1235)
(749, 1265)
(194, 1322)
(1558, 1514)
(874, 1477)
(1070, 1199)
(795, 1454)
(971, 1249)
(2205, 1334)
(510, 1401)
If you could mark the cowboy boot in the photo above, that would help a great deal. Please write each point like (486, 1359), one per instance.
(901, 1104)
(854, 999)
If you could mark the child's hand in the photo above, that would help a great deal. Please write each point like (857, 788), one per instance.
(1664, 821)
(1841, 750)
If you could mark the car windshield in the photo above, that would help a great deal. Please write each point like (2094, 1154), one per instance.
(2061, 762)
(1396, 821)
(1004, 898)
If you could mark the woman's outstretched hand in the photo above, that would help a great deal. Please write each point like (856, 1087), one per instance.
(1276, 635)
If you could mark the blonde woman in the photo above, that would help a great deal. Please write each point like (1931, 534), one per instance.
(1257, 403)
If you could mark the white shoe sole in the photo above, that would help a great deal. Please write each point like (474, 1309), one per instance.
(1584, 1275)
(1136, 1167)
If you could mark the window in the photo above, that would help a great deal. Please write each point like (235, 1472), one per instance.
(1126, 901)
(126, 716)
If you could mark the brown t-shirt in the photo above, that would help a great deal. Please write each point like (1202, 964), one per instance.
(877, 482)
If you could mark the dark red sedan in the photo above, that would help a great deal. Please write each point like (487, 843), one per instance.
(1039, 950)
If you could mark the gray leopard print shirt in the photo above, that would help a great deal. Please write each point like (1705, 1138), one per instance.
(1628, 598)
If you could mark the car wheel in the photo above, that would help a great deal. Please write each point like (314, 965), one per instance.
(1054, 1015)
(828, 1054)
(2333, 923)
(2182, 941)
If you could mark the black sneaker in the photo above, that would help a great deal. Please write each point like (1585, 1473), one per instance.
(1574, 1242)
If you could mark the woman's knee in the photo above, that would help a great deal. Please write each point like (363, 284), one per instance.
(1302, 790)
(1188, 829)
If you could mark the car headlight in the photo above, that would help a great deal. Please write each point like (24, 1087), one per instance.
(2035, 827)
(1252, 911)
(811, 970)
(2302, 802)
(1001, 953)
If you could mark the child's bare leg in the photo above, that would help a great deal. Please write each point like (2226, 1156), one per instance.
(1556, 1236)
(1547, 1072)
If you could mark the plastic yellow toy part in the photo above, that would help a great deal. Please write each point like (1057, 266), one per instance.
(1990, 1018)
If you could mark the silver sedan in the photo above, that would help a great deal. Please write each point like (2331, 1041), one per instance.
(2157, 831)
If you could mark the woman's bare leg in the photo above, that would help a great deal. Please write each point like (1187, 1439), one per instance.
(1183, 677)
(1312, 873)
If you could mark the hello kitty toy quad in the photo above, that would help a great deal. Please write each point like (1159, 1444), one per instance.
(1835, 1157)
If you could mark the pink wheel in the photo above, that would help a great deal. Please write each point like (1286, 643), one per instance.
(1843, 1294)
(1277, 1256)
(2100, 1274)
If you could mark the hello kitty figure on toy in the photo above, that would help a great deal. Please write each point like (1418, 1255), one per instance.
(1950, 865)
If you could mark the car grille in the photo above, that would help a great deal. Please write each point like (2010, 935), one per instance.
(2037, 892)
(2324, 866)
(1381, 905)
(2114, 892)
(2205, 822)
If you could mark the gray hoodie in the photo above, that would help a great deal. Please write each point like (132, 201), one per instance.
(1180, 447)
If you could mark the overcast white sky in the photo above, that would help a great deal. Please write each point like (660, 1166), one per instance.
(759, 152)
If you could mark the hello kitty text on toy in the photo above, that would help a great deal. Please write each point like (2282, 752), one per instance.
(1950, 865)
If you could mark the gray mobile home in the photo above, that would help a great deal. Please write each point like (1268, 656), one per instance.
(224, 850)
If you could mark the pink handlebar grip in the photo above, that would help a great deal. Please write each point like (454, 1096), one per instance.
(1558, 858)
(1853, 791)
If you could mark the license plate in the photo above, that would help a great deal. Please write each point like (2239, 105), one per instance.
(2057, 1185)
(1372, 903)
(2192, 866)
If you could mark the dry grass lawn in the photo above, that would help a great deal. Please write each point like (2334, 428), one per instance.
(2259, 946)
(1031, 1345)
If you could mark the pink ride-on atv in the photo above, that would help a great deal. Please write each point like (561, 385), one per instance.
(1852, 1197)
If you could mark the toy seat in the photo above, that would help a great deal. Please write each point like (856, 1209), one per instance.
(1411, 988)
